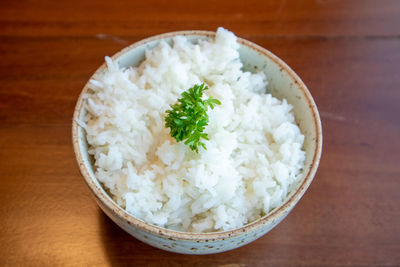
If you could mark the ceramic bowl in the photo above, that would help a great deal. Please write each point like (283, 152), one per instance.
(283, 83)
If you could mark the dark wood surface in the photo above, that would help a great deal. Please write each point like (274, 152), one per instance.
(347, 52)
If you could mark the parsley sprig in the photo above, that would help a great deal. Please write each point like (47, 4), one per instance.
(188, 117)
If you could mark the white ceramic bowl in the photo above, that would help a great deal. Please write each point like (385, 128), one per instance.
(283, 83)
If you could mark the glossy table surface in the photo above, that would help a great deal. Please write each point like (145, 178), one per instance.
(347, 52)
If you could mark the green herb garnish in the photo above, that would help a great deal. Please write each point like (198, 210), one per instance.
(188, 117)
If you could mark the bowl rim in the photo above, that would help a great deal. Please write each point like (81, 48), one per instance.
(274, 216)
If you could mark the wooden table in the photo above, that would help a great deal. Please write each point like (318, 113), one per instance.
(347, 52)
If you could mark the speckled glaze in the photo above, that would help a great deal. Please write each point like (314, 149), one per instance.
(283, 83)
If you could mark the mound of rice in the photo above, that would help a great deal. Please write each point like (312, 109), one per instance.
(253, 159)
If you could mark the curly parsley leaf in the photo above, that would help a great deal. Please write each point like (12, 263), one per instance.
(188, 117)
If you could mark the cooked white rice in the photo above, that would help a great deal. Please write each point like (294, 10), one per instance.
(253, 158)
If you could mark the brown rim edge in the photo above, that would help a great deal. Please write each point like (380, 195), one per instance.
(102, 196)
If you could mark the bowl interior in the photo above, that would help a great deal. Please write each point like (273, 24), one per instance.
(283, 83)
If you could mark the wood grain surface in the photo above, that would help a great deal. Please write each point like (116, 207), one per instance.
(347, 52)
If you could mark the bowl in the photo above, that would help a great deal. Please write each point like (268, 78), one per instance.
(283, 83)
